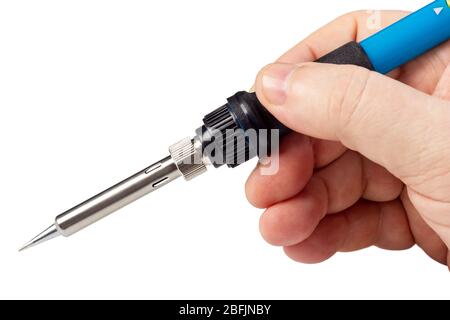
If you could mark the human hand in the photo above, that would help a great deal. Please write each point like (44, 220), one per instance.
(372, 163)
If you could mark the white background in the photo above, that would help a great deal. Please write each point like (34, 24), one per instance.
(92, 91)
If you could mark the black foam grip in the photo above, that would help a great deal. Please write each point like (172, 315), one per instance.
(350, 53)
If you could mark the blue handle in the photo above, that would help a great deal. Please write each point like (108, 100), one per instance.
(410, 37)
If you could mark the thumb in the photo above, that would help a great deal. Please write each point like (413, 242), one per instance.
(392, 124)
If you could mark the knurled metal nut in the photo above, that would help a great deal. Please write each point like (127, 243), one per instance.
(188, 158)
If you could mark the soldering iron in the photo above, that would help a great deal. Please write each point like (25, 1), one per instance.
(383, 52)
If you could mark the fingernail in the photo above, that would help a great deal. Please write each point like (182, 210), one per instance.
(275, 82)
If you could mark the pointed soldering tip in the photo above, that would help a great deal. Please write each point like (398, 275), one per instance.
(45, 235)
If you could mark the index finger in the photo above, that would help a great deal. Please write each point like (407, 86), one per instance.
(354, 26)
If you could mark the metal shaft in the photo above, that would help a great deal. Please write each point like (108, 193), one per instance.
(185, 160)
(110, 200)
(117, 196)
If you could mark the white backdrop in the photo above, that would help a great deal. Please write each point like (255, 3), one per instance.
(92, 91)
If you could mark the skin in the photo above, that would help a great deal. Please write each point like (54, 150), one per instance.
(370, 162)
